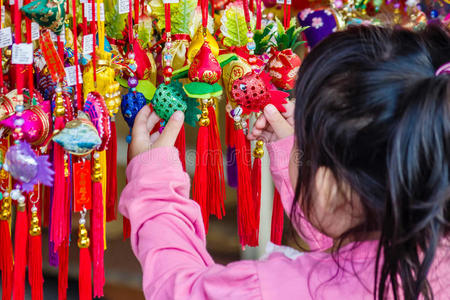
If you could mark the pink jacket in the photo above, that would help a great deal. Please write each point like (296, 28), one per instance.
(168, 238)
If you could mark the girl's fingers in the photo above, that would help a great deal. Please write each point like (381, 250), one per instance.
(260, 123)
(152, 121)
(290, 108)
(279, 124)
(170, 132)
(154, 137)
(140, 123)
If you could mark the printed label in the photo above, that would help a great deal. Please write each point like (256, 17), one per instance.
(124, 6)
(88, 12)
(5, 37)
(34, 31)
(71, 76)
(82, 186)
(22, 54)
(88, 44)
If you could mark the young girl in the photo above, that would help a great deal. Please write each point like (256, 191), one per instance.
(368, 180)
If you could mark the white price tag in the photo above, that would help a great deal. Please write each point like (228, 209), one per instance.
(71, 78)
(22, 54)
(5, 37)
(83, 1)
(170, 1)
(288, 2)
(124, 6)
(12, 2)
(34, 31)
(88, 12)
(62, 36)
(3, 15)
(88, 44)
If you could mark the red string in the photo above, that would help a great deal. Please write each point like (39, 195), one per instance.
(75, 34)
(136, 11)
(258, 14)
(130, 23)
(287, 15)
(18, 40)
(246, 11)
(204, 8)
(167, 17)
(29, 67)
(84, 26)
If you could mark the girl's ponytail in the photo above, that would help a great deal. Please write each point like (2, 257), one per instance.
(416, 214)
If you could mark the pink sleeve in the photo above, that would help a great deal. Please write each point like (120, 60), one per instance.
(280, 153)
(168, 237)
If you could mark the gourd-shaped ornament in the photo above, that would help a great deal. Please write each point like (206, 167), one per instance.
(132, 102)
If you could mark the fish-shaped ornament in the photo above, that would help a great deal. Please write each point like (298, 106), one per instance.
(28, 168)
(252, 92)
(79, 136)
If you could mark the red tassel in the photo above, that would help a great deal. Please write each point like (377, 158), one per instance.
(180, 144)
(126, 227)
(256, 190)
(58, 230)
(20, 254)
(111, 194)
(35, 277)
(246, 219)
(63, 272)
(85, 275)
(216, 178)
(276, 233)
(6, 257)
(98, 243)
(200, 186)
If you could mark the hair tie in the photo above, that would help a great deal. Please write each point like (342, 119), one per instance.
(444, 69)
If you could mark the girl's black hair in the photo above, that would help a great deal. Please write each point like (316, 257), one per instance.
(371, 109)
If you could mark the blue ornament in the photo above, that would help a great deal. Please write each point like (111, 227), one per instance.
(434, 14)
(132, 102)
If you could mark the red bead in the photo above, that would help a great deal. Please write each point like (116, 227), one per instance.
(168, 71)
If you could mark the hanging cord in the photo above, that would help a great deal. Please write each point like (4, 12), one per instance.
(75, 34)
(287, 14)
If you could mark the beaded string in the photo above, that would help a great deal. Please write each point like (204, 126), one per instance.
(251, 45)
(168, 70)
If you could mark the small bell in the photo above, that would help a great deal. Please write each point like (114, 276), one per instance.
(5, 212)
(83, 239)
(258, 152)
(35, 229)
(97, 169)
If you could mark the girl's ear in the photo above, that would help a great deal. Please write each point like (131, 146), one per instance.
(336, 209)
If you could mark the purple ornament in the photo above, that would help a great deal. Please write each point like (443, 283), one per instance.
(24, 165)
(132, 82)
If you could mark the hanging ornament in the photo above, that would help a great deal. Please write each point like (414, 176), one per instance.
(132, 102)
(47, 13)
(284, 63)
(79, 136)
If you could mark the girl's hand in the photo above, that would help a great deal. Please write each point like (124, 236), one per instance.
(273, 125)
(142, 141)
